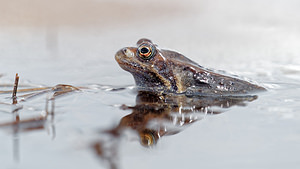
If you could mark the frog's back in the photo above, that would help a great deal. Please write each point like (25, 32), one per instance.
(194, 78)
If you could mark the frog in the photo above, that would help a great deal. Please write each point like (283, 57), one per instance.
(168, 71)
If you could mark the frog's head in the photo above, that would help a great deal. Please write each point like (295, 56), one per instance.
(148, 64)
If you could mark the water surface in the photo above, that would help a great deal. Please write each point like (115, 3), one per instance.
(49, 46)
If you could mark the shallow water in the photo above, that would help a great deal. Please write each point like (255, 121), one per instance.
(254, 39)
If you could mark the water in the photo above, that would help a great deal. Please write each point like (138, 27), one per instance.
(75, 45)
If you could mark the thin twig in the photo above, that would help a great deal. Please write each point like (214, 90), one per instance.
(25, 90)
(14, 94)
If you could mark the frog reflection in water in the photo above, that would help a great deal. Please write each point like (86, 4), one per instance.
(170, 72)
(157, 115)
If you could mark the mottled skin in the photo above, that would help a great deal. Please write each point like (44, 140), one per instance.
(171, 72)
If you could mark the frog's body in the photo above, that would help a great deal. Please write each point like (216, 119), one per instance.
(171, 72)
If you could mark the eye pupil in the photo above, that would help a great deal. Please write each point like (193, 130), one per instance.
(144, 50)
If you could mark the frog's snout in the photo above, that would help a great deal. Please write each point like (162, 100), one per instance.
(124, 54)
(118, 55)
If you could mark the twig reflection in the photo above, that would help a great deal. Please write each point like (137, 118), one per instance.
(38, 122)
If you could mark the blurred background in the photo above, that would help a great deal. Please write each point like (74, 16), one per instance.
(83, 35)
(74, 42)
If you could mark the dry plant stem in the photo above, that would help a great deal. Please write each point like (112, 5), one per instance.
(26, 90)
(14, 94)
(17, 120)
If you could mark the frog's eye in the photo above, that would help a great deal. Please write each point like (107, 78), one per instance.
(145, 51)
(147, 138)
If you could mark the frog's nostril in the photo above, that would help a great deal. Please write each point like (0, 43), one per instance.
(127, 52)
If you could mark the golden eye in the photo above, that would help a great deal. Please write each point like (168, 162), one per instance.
(147, 139)
(145, 51)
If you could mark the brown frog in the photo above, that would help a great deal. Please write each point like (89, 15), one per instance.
(167, 71)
